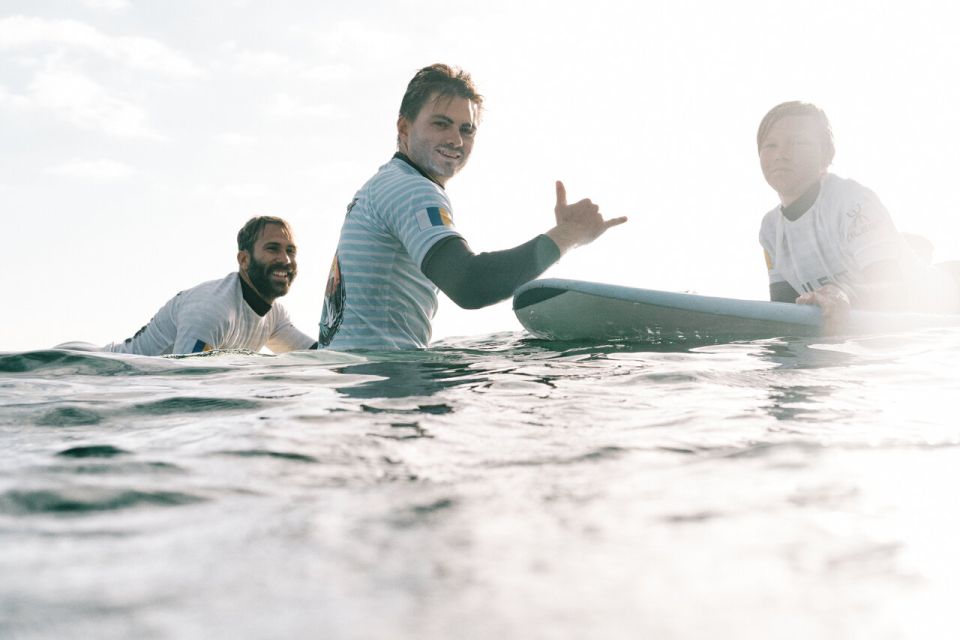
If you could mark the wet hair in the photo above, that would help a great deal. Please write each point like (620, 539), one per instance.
(796, 108)
(248, 235)
(440, 80)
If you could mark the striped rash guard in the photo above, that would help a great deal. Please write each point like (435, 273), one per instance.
(377, 297)
(398, 245)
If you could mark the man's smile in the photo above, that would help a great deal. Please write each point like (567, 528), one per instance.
(281, 274)
(449, 153)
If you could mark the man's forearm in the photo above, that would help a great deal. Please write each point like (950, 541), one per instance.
(478, 280)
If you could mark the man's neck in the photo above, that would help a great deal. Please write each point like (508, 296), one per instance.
(794, 208)
(254, 299)
(400, 155)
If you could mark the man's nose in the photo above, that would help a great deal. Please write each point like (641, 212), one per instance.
(455, 138)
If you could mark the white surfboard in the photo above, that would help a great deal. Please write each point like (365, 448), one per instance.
(554, 309)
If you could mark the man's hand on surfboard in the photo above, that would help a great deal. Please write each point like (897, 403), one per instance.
(833, 303)
(578, 223)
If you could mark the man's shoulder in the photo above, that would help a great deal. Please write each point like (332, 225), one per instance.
(397, 179)
(770, 218)
(396, 194)
(844, 189)
(847, 201)
(205, 292)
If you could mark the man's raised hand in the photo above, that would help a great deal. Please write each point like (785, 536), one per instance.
(578, 223)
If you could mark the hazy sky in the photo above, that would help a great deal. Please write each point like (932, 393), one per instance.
(137, 137)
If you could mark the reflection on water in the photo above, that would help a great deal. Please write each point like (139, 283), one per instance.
(400, 379)
(489, 487)
(797, 403)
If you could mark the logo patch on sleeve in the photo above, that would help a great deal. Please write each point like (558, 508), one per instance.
(434, 217)
(200, 346)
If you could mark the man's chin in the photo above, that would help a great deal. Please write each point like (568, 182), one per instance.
(445, 171)
(270, 289)
(279, 291)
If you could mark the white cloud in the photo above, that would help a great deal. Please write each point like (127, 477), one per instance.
(337, 172)
(240, 190)
(144, 53)
(18, 32)
(100, 170)
(8, 99)
(264, 62)
(77, 99)
(109, 5)
(342, 39)
(58, 86)
(329, 72)
(286, 106)
(277, 64)
(83, 102)
(238, 139)
(244, 190)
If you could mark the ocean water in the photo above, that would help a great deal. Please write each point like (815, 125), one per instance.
(491, 487)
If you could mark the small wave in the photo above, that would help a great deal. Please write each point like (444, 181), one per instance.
(421, 514)
(116, 468)
(93, 451)
(87, 499)
(433, 409)
(69, 417)
(433, 507)
(603, 453)
(409, 431)
(767, 449)
(266, 453)
(55, 361)
(597, 455)
(693, 517)
(193, 404)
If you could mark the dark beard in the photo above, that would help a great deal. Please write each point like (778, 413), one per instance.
(259, 274)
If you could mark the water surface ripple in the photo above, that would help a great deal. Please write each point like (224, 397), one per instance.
(489, 487)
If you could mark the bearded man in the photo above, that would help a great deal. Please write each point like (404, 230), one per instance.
(235, 312)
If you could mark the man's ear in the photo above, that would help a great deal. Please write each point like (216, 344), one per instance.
(243, 259)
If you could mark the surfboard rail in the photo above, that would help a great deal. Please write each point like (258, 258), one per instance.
(559, 309)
